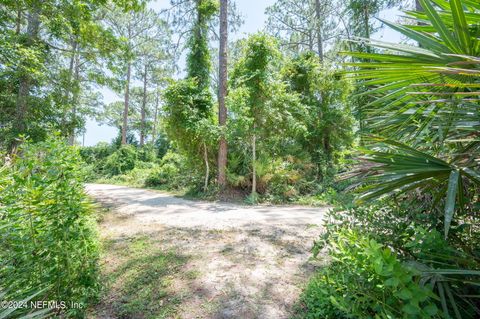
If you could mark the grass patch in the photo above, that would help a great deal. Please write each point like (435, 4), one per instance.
(192, 274)
(139, 279)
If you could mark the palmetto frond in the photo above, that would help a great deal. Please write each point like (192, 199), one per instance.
(400, 168)
(428, 95)
(430, 85)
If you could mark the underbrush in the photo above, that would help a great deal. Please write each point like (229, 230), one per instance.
(279, 181)
(48, 234)
(286, 180)
(389, 261)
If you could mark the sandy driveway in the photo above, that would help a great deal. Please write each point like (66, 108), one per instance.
(243, 261)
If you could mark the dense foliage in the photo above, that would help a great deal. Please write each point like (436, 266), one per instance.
(425, 95)
(289, 130)
(48, 237)
(423, 237)
(395, 125)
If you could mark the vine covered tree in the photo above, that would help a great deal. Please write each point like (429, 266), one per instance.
(328, 121)
(189, 103)
(263, 107)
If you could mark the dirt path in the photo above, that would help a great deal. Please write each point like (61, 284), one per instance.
(166, 257)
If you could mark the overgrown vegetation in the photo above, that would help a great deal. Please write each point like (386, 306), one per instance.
(288, 147)
(385, 132)
(48, 233)
(415, 253)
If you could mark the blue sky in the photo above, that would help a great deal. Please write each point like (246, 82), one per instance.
(254, 17)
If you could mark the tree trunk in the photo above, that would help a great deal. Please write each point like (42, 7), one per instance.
(144, 106)
(33, 26)
(75, 99)
(254, 160)
(207, 167)
(327, 148)
(366, 22)
(419, 8)
(127, 100)
(319, 30)
(222, 92)
(69, 93)
(310, 41)
(18, 22)
(154, 130)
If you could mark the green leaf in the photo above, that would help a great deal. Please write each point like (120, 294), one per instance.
(441, 28)
(453, 183)
(411, 309)
(425, 41)
(431, 309)
(460, 25)
(392, 282)
(404, 294)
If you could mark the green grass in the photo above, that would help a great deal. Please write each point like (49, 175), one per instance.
(139, 285)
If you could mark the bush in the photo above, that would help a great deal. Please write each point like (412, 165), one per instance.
(47, 236)
(94, 157)
(162, 145)
(92, 154)
(448, 268)
(367, 280)
(136, 177)
(121, 161)
(147, 153)
(171, 172)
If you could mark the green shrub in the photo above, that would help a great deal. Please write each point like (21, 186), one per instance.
(136, 177)
(121, 161)
(94, 157)
(162, 145)
(367, 280)
(47, 236)
(449, 268)
(147, 153)
(91, 154)
(278, 180)
(171, 172)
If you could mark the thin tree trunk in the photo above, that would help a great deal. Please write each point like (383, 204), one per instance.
(366, 25)
(69, 92)
(310, 40)
(18, 21)
(419, 8)
(127, 101)
(327, 148)
(154, 131)
(71, 64)
(222, 92)
(25, 81)
(75, 99)
(207, 167)
(319, 30)
(254, 160)
(366, 22)
(144, 106)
